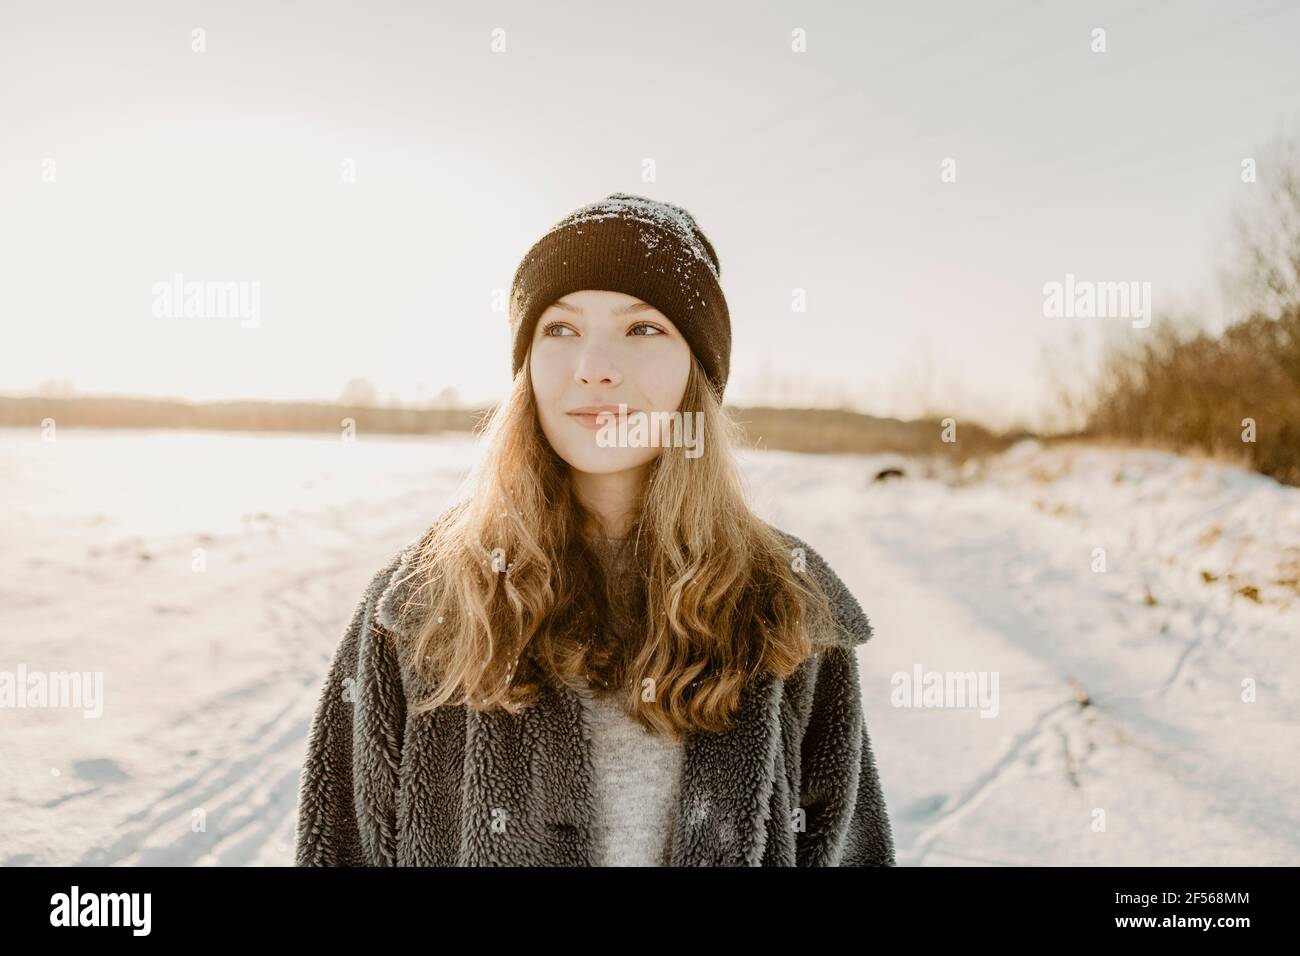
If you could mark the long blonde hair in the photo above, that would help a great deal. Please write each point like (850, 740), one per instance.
(512, 596)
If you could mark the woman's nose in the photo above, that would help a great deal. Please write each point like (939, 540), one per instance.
(595, 367)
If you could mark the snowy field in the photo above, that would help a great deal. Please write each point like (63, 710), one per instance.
(1134, 616)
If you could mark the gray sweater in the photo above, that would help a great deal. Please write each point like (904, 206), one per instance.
(635, 772)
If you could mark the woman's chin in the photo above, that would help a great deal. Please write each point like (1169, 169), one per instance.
(595, 460)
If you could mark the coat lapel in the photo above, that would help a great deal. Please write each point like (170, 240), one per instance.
(527, 786)
(727, 782)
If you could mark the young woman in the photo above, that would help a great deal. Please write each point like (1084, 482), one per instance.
(598, 655)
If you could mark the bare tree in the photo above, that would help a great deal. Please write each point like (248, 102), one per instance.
(1264, 271)
(359, 392)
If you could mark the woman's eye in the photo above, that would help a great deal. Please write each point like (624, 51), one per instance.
(556, 329)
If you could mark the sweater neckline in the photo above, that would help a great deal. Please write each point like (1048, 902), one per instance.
(604, 539)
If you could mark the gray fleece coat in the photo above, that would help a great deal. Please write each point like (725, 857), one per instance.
(459, 787)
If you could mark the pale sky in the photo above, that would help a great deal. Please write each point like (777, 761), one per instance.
(128, 158)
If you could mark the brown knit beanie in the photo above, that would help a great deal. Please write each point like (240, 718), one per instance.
(652, 250)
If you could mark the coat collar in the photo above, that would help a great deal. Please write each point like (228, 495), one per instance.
(725, 789)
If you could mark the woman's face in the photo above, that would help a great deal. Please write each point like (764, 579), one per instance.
(596, 347)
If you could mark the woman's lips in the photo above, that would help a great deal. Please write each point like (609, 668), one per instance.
(591, 421)
(598, 420)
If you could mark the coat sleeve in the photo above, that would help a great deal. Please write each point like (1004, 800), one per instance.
(348, 794)
(845, 820)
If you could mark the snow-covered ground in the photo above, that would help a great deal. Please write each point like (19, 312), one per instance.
(1134, 615)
